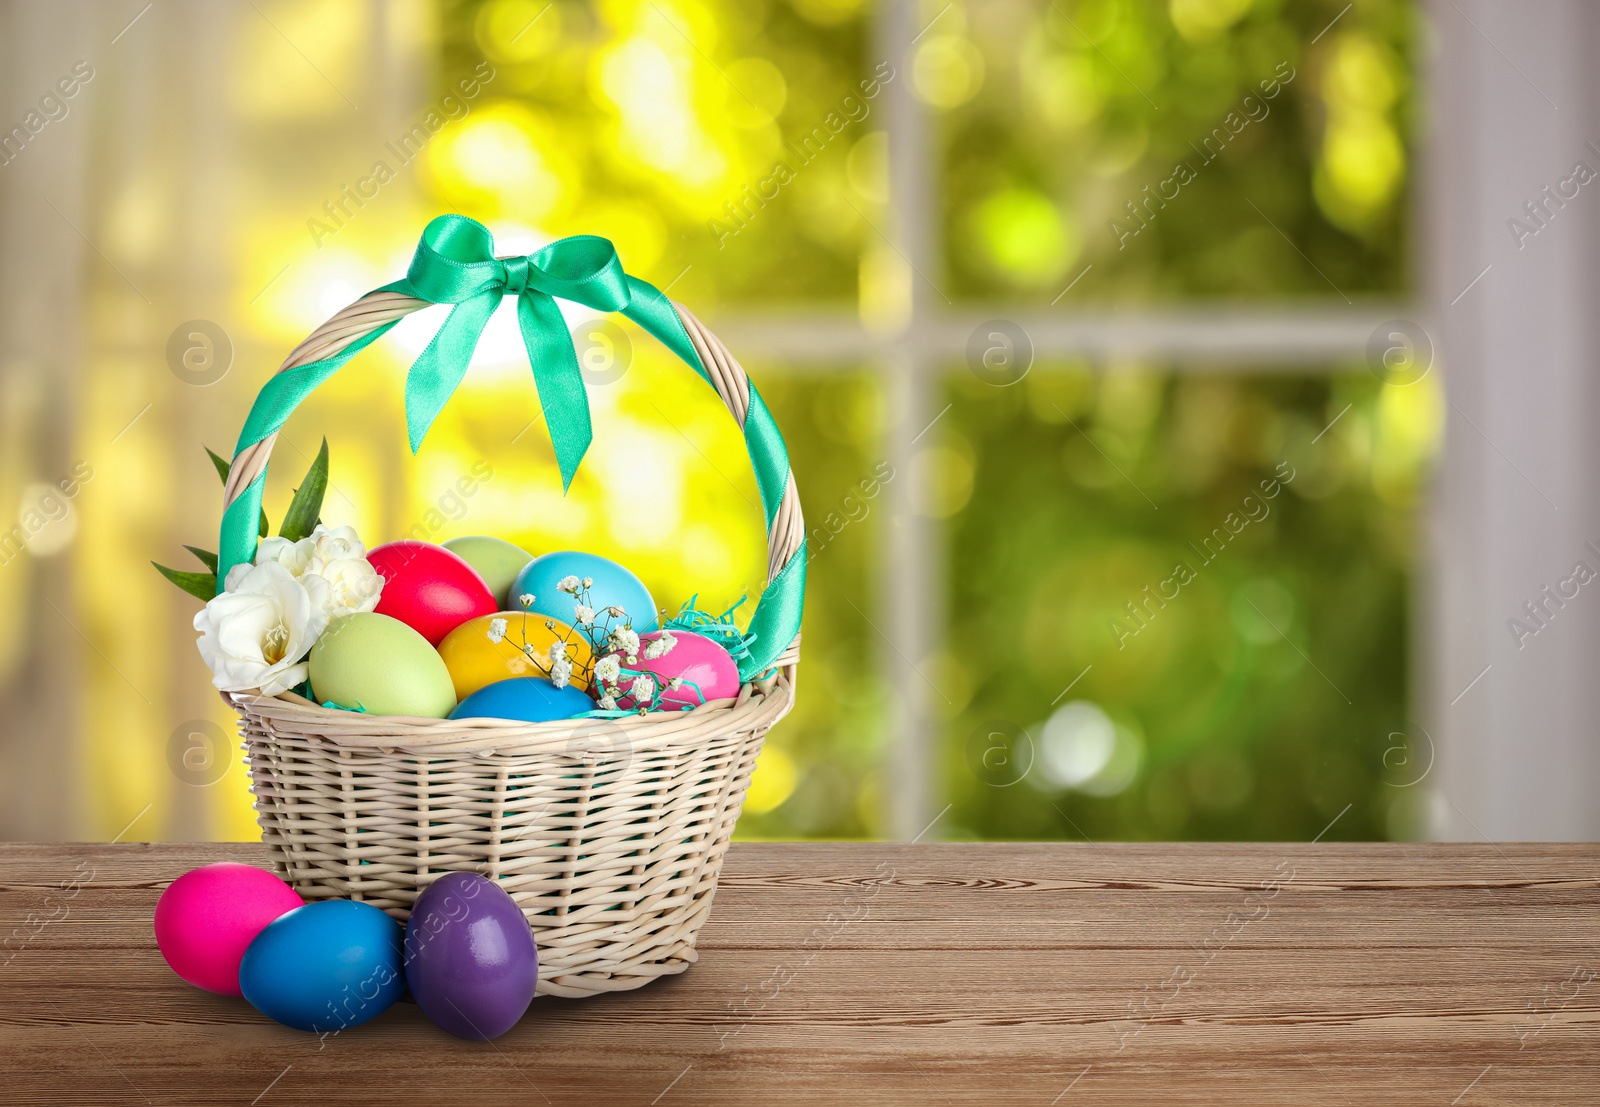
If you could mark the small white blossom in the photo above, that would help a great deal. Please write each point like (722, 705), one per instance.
(336, 544)
(643, 689)
(588, 582)
(674, 684)
(526, 599)
(558, 651)
(584, 616)
(625, 640)
(660, 646)
(299, 557)
(561, 672)
(616, 612)
(353, 584)
(607, 702)
(608, 669)
(497, 631)
(569, 584)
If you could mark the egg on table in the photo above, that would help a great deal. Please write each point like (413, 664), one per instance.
(510, 644)
(327, 966)
(706, 671)
(206, 919)
(373, 663)
(529, 699)
(428, 588)
(470, 959)
(614, 586)
(497, 561)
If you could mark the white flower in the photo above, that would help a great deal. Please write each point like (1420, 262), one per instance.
(660, 646)
(497, 631)
(561, 673)
(569, 584)
(607, 702)
(297, 557)
(558, 651)
(608, 669)
(336, 544)
(353, 585)
(643, 688)
(616, 612)
(588, 582)
(584, 616)
(526, 599)
(625, 640)
(674, 684)
(257, 634)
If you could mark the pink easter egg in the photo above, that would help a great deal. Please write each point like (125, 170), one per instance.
(706, 669)
(206, 918)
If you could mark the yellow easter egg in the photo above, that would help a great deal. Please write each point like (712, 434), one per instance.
(511, 644)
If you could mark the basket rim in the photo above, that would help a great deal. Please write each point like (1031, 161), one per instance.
(759, 704)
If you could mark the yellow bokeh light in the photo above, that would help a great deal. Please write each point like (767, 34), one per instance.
(1360, 74)
(1024, 235)
(1202, 20)
(947, 71)
(513, 31)
(497, 156)
(1364, 159)
(772, 782)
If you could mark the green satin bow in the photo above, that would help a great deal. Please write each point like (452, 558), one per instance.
(455, 264)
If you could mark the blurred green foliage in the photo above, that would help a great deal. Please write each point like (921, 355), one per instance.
(1179, 147)
(1250, 694)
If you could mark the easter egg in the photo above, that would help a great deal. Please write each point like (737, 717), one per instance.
(327, 966)
(530, 699)
(206, 918)
(706, 669)
(372, 663)
(428, 588)
(497, 647)
(469, 956)
(497, 561)
(614, 586)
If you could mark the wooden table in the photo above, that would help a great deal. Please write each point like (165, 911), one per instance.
(866, 973)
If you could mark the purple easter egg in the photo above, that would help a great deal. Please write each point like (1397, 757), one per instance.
(469, 956)
(706, 670)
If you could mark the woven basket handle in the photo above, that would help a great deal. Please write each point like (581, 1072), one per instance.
(358, 324)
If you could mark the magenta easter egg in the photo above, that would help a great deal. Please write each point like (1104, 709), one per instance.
(428, 588)
(704, 669)
(207, 917)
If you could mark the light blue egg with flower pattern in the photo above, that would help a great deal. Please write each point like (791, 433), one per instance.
(614, 586)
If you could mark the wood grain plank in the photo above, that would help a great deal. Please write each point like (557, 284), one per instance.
(886, 974)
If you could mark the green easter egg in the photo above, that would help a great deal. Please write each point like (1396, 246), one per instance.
(381, 666)
(498, 562)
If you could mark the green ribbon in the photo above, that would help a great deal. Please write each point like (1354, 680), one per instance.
(455, 264)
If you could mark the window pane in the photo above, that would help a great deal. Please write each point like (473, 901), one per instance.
(712, 143)
(1190, 593)
(1180, 149)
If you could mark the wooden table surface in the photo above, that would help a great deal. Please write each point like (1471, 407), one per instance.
(868, 973)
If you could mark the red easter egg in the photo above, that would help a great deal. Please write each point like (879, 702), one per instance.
(428, 588)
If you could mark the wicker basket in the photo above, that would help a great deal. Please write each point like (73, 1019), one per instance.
(608, 834)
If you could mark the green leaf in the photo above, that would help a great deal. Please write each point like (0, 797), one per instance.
(207, 558)
(222, 464)
(222, 471)
(202, 586)
(305, 510)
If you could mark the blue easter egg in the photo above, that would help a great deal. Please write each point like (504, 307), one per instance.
(530, 699)
(614, 586)
(325, 967)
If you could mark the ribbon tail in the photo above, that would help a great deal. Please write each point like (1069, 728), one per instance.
(440, 367)
(558, 379)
